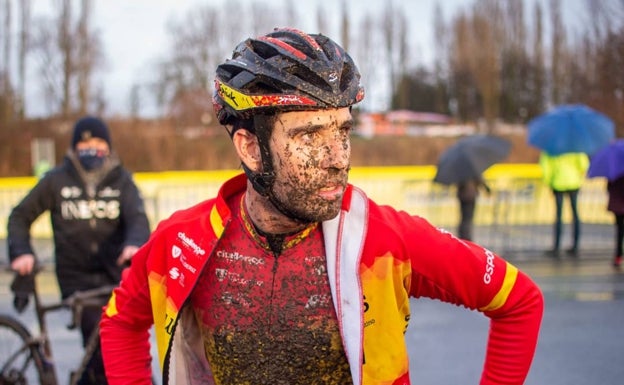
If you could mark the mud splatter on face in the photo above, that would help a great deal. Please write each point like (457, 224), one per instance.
(311, 157)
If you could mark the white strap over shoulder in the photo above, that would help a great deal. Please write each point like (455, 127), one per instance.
(344, 240)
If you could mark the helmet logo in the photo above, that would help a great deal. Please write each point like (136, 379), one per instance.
(240, 101)
(228, 94)
(333, 77)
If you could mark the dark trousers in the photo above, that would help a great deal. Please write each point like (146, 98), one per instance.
(576, 222)
(467, 209)
(619, 234)
(94, 373)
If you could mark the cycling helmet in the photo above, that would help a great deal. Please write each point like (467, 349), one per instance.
(285, 70)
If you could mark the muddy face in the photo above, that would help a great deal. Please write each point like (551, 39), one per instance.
(311, 157)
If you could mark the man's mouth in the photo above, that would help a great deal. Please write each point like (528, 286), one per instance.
(331, 192)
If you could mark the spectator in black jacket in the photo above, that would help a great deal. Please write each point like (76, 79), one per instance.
(467, 193)
(98, 221)
(615, 189)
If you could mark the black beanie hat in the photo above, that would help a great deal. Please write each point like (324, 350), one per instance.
(90, 127)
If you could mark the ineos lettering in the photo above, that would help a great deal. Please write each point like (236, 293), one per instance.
(83, 209)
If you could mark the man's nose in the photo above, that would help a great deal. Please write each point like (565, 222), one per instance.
(337, 153)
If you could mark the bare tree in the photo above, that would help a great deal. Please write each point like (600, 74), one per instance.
(65, 44)
(440, 59)
(394, 27)
(557, 61)
(49, 63)
(462, 82)
(84, 59)
(345, 26)
(321, 20)
(538, 83)
(186, 76)
(388, 31)
(476, 62)
(264, 18)
(364, 54)
(516, 67)
(24, 49)
(7, 43)
(292, 16)
(6, 87)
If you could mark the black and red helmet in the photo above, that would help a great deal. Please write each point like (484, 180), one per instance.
(285, 70)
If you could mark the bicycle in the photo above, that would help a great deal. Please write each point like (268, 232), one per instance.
(26, 357)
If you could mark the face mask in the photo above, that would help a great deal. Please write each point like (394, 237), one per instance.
(91, 159)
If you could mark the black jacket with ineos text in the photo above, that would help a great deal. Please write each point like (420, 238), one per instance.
(93, 214)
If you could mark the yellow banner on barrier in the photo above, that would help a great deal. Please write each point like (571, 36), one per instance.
(518, 195)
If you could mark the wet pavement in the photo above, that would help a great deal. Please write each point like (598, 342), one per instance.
(581, 341)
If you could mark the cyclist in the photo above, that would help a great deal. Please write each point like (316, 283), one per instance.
(291, 275)
(98, 221)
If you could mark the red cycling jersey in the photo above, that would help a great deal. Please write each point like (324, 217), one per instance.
(267, 317)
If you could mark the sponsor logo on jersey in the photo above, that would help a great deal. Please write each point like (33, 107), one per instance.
(221, 274)
(176, 253)
(489, 267)
(174, 273)
(108, 192)
(177, 275)
(236, 256)
(68, 192)
(191, 244)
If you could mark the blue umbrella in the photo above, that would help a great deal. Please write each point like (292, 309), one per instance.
(608, 161)
(571, 128)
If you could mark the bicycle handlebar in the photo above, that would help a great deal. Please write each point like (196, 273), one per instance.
(86, 298)
(76, 302)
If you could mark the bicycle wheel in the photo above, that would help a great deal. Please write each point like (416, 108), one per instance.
(21, 362)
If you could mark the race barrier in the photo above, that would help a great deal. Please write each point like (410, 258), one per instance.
(516, 218)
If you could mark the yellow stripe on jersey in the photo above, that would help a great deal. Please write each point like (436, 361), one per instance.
(508, 283)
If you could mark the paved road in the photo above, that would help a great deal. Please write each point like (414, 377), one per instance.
(581, 343)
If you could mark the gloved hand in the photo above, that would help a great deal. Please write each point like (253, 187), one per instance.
(22, 287)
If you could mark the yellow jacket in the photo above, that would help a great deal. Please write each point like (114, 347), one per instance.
(564, 172)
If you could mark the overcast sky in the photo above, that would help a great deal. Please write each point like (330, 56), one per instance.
(134, 32)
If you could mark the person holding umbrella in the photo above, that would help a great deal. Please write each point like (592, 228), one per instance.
(467, 193)
(462, 165)
(565, 174)
(608, 162)
(616, 206)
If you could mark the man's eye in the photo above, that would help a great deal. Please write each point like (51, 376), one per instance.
(308, 136)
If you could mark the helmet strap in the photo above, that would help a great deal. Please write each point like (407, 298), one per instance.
(263, 181)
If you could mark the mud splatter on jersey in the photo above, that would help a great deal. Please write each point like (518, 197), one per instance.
(267, 318)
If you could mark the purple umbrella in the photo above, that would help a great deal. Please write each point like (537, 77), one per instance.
(608, 161)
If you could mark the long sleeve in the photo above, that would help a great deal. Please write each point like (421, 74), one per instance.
(546, 166)
(125, 327)
(514, 332)
(135, 220)
(462, 273)
(38, 200)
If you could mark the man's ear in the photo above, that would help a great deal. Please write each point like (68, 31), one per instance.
(248, 149)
